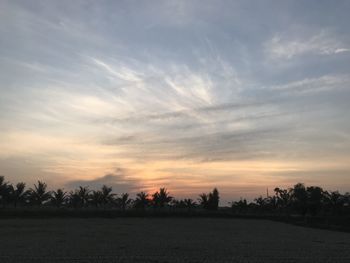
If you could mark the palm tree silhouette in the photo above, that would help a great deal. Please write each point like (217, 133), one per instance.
(83, 193)
(74, 199)
(142, 200)
(96, 198)
(204, 200)
(38, 195)
(5, 191)
(178, 203)
(19, 194)
(124, 201)
(161, 198)
(59, 197)
(107, 196)
(189, 203)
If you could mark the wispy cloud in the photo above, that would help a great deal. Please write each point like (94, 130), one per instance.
(121, 72)
(323, 83)
(283, 46)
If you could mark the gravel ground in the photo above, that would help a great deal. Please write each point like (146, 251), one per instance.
(167, 240)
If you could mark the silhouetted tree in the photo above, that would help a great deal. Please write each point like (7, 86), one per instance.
(107, 197)
(283, 198)
(178, 203)
(161, 198)
(213, 200)
(239, 206)
(210, 201)
(74, 199)
(83, 194)
(59, 197)
(315, 198)
(186, 203)
(124, 201)
(346, 200)
(334, 202)
(5, 192)
(189, 203)
(142, 201)
(38, 195)
(96, 198)
(260, 201)
(204, 200)
(18, 193)
(299, 198)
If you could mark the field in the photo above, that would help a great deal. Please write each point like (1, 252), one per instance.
(167, 240)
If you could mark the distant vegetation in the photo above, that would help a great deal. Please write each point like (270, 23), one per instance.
(298, 200)
(302, 200)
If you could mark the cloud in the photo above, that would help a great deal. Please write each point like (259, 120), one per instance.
(122, 72)
(185, 113)
(282, 46)
(120, 180)
(322, 83)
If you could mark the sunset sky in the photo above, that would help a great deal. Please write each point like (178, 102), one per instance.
(189, 95)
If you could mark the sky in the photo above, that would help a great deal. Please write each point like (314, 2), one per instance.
(187, 95)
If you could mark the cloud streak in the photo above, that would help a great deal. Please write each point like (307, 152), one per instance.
(284, 47)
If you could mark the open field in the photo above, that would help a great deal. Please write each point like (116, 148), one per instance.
(167, 240)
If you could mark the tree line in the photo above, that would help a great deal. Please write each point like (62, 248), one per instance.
(18, 196)
(298, 199)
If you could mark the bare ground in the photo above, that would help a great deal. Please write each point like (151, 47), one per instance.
(167, 240)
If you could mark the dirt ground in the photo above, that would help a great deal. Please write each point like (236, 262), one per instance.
(167, 240)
